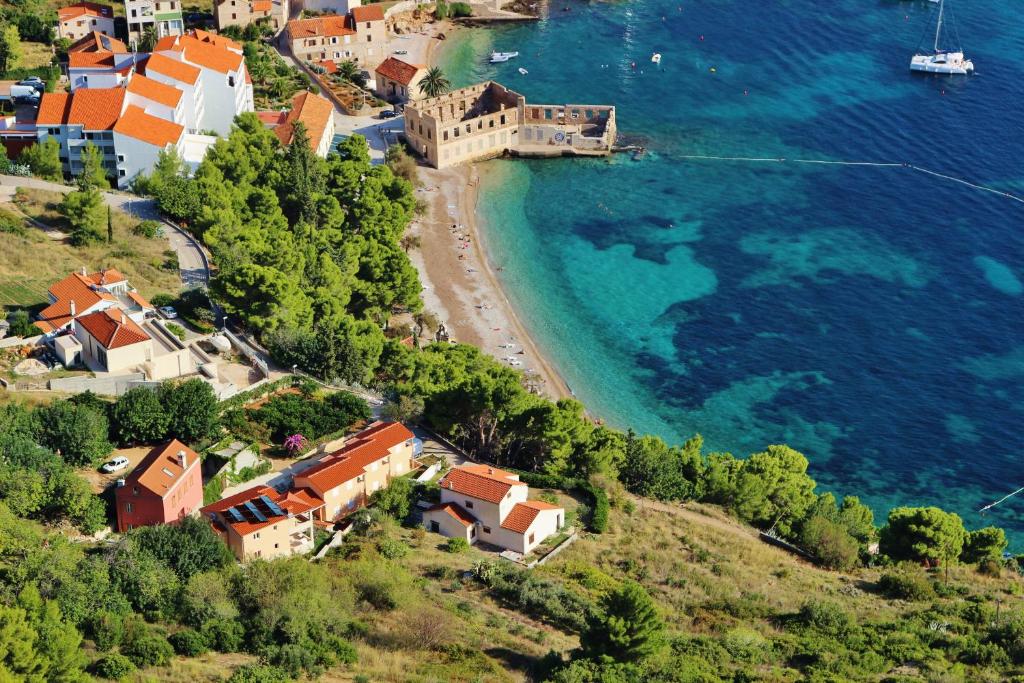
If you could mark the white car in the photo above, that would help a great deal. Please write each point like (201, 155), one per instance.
(401, 52)
(116, 465)
(168, 312)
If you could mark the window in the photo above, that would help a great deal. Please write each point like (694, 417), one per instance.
(256, 535)
(130, 527)
(121, 173)
(469, 504)
(128, 507)
(134, 13)
(472, 532)
(531, 538)
(135, 490)
(231, 81)
(435, 527)
(369, 25)
(446, 136)
(503, 119)
(275, 545)
(233, 15)
(487, 529)
(120, 158)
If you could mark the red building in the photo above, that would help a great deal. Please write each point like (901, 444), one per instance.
(165, 487)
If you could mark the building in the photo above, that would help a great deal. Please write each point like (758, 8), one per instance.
(111, 341)
(398, 81)
(100, 68)
(165, 487)
(163, 16)
(360, 36)
(331, 6)
(368, 461)
(83, 293)
(185, 78)
(316, 114)
(245, 12)
(488, 120)
(74, 22)
(263, 523)
(482, 503)
(98, 42)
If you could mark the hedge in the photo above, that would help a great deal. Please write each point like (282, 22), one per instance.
(598, 522)
(244, 397)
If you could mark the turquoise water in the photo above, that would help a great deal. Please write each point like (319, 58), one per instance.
(868, 316)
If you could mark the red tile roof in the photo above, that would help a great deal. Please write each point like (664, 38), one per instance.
(456, 511)
(164, 94)
(521, 516)
(262, 5)
(140, 300)
(54, 108)
(312, 111)
(319, 26)
(355, 456)
(137, 124)
(88, 9)
(480, 481)
(398, 71)
(209, 55)
(272, 118)
(75, 287)
(89, 60)
(98, 42)
(368, 13)
(166, 43)
(219, 41)
(110, 276)
(172, 68)
(112, 328)
(292, 502)
(91, 108)
(161, 468)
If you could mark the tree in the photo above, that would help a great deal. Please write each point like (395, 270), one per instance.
(19, 658)
(21, 324)
(191, 409)
(830, 543)
(93, 175)
(405, 409)
(435, 83)
(77, 433)
(925, 534)
(43, 158)
(395, 499)
(10, 48)
(984, 544)
(773, 489)
(110, 226)
(84, 211)
(187, 548)
(139, 416)
(148, 40)
(627, 628)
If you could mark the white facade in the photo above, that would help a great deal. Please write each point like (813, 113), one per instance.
(192, 98)
(163, 15)
(76, 28)
(337, 6)
(134, 156)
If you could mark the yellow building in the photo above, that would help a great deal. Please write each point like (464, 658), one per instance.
(360, 36)
(262, 523)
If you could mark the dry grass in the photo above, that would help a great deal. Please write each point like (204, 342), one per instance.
(31, 399)
(209, 668)
(29, 263)
(35, 55)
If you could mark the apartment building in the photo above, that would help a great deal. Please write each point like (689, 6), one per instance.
(163, 16)
(74, 22)
(165, 487)
(359, 36)
(245, 12)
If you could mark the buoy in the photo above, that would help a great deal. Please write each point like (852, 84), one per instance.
(746, 92)
(702, 36)
(713, 70)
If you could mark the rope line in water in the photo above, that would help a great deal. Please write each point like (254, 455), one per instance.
(782, 160)
(992, 505)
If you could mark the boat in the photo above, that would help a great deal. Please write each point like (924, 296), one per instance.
(656, 58)
(523, 71)
(941, 61)
(499, 57)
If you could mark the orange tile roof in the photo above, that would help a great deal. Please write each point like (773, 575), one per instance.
(319, 26)
(272, 118)
(368, 13)
(456, 511)
(136, 123)
(140, 300)
(75, 287)
(108, 276)
(85, 60)
(54, 108)
(355, 456)
(219, 41)
(98, 42)
(398, 71)
(111, 328)
(262, 5)
(312, 111)
(166, 43)
(89, 9)
(521, 516)
(91, 108)
(210, 56)
(161, 468)
(156, 91)
(172, 68)
(292, 502)
(480, 481)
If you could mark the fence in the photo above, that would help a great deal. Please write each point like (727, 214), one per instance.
(558, 549)
(20, 341)
(107, 386)
(257, 360)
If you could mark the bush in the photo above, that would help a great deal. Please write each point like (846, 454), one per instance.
(21, 324)
(460, 9)
(149, 229)
(392, 549)
(148, 649)
(258, 673)
(107, 630)
(189, 643)
(830, 543)
(457, 545)
(224, 635)
(177, 330)
(113, 667)
(906, 585)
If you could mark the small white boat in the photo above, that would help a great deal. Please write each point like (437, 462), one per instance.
(656, 58)
(523, 71)
(941, 61)
(499, 57)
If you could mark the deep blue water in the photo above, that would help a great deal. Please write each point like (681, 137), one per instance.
(869, 317)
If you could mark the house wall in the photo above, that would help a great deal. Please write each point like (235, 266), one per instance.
(273, 540)
(392, 90)
(224, 98)
(487, 513)
(544, 525)
(133, 157)
(319, 48)
(165, 15)
(336, 6)
(161, 111)
(79, 27)
(448, 526)
(192, 100)
(232, 13)
(323, 148)
(116, 359)
(137, 506)
(91, 77)
(170, 365)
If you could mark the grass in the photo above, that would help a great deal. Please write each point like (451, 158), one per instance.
(35, 55)
(32, 261)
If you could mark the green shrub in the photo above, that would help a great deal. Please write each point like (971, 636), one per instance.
(460, 9)
(177, 330)
(224, 635)
(907, 584)
(826, 617)
(189, 643)
(113, 667)
(148, 649)
(457, 545)
(392, 549)
(258, 673)
(149, 229)
(106, 630)
(990, 567)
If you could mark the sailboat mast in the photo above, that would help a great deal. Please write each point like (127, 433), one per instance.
(938, 25)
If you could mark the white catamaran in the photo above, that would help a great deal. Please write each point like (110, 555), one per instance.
(941, 61)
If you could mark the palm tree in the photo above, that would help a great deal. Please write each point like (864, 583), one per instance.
(435, 83)
(347, 70)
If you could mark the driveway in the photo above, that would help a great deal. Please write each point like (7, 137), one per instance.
(379, 133)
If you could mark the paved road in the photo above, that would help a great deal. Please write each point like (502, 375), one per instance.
(192, 265)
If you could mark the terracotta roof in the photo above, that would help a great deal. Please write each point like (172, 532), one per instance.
(85, 60)
(172, 68)
(480, 481)
(91, 108)
(111, 328)
(396, 70)
(368, 13)
(210, 56)
(75, 287)
(164, 94)
(166, 43)
(161, 468)
(272, 118)
(329, 66)
(89, 9)
(355, 456)
(456, 511)
(312, 111)
(521, 516)
(319, 26)
(109, 276)
(219, 41)
(140, 300)
(262, 5)
(292, 502)
(54, 108)
(98, 42)
(136, 123)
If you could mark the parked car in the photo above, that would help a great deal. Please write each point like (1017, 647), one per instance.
(401, 52)
(168, 312)
(116, 465)
(21, 92)
(388, 114)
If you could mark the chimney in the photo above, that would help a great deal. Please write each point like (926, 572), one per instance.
(182, 459)
(84, 271)
(73, 308)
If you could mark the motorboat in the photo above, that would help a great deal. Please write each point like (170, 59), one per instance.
(499, 57)
(941, 61)
(523, 71)
(656, 58)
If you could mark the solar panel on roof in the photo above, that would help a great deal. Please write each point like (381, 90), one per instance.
(235, 514)
(274, 508)
(260, 517)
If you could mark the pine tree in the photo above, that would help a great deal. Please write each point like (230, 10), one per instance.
(627, 629)
(110, 226)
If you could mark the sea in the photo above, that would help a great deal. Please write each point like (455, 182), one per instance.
(869, 316)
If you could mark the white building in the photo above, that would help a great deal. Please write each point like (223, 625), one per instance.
(74, 22)
(83, 293)
(186, 79)
(100, 69)
(164, 16)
